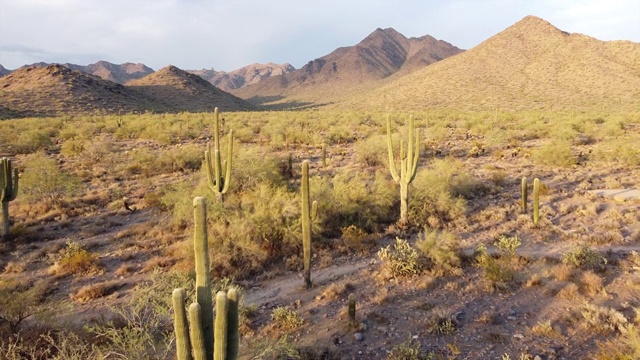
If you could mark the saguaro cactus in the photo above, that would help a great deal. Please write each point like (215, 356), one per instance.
(536, 201)
(523, 185)
(352, 307)
(8, 192)
(408, 165)
(195, 338)
(218, 183)
(309, 212)
(324, 155)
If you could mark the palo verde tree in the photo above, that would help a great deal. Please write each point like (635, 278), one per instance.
(8, 192)
(218, 182)
(408, 165)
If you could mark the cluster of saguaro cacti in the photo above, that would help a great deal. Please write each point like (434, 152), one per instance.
(8, 192)
(201, 338)
(536, 198)
(309, 212)
(218, 182)
(408, 165)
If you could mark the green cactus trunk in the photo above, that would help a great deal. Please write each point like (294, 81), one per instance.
(408, 165)
(536, 201)
(181, 326)
(8, 193)
(309, 212)
(523, 186)
(195, 339)
(218, 183)
(220, 342)
(352, 307)
(233, 324)
(203, 280)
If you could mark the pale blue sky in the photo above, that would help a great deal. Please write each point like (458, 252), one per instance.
(228, 34)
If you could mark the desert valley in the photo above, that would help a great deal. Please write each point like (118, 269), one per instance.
(469, 204)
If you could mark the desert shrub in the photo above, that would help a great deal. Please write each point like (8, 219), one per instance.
(600, 319)
(555, 154)
(32, 140)
(74, 259)
(353, 198)
(437, 193)
(400, 259)
(441, 323)
(72, 147)
(356, 239)
(286, 319)
(497, 270)
(441, 250)
(267, 349)
(372, 151)
(19, 299)
(508, 245)
(622, 151)
(44, 180)
(585, 258)
(252, 167)
(409, 350)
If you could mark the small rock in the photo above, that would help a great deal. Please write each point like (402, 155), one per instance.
(415, 336)
(511, 317)
(518, 336)
(359, 336)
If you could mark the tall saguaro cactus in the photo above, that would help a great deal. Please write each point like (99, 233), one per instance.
(8, 192)
(218, 182)
(536, 201)
(408, 165)
(309, 212)
(195, 337)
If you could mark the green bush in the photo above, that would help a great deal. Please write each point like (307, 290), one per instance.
(44, 180)
(440, 248)
(372, 151)
(555, 154)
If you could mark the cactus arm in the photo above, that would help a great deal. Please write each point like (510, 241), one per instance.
(314, 210)
(203, 281)
(227, 173)
(197, 333)
(181, 326)
(209, 168)
(233, 335)
(220, 342)
(14, 188)
(392, 164)
(416, 155)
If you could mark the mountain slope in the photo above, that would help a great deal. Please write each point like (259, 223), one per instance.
(121, 73)
(56, 90)
(4, 71)
(244, 76)
(183, 91)
(380, 55)
(530, 65)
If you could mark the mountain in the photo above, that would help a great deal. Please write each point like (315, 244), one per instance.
(121, 74)
(530, 65)
(4, 71)
(183, 91)
(244, 76)
(118, 73)
(56, 90)
(383, 53)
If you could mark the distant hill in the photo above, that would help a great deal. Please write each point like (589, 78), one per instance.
(530, 65)
(183, 91)
(118, 73)
(4, 71)
(244, 76)
(381, 54)
(56, 90)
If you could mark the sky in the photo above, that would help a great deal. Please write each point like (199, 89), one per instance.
(229, 34)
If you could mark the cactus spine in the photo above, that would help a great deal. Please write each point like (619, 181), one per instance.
(525, 194)
(536, 201)
(309, 212)
(195, 339)
(8, 192)
(218, 182)
(408, 165)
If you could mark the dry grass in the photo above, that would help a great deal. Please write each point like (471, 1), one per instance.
(94, 291)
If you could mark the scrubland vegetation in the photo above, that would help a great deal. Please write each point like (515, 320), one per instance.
(468, 275)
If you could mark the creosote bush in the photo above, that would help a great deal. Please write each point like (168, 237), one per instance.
(441, 250)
